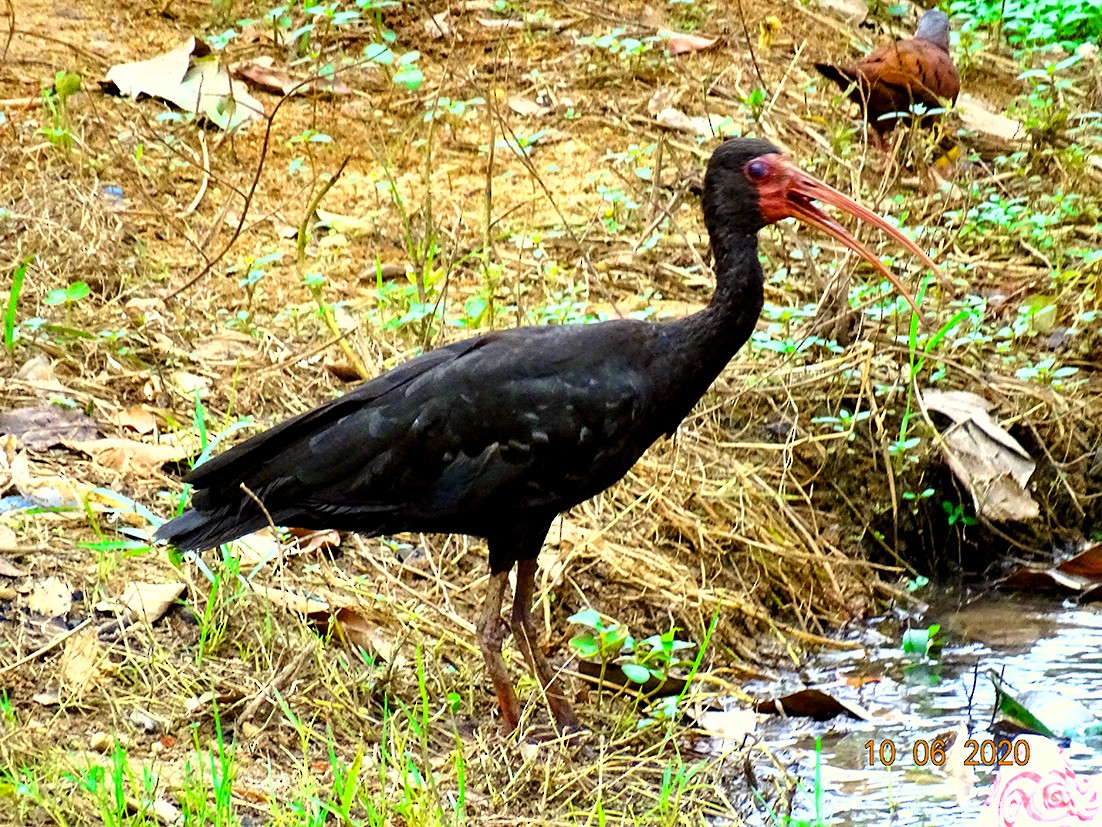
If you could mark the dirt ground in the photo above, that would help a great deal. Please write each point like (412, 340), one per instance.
(543, 171)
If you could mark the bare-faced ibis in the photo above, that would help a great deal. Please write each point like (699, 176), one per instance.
(496, 435)
(894, 77)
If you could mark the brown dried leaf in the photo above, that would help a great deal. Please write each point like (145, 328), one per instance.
(135, 418)
(984, 457)
(263, 72)
(83, 662)
(525, 107)
(192, 79)
(814, 704)
(439, 26)
(369, 636)
(144, 601)
(7, 567)
(40, 428)
(681, 44)
(130, 456)
(50, 597)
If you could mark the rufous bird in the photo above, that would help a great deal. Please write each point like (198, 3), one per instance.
(893, 78)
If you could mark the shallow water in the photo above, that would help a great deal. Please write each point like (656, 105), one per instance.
(1033, 643)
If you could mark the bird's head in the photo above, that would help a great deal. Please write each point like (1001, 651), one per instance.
(749, 184)
(934, 27)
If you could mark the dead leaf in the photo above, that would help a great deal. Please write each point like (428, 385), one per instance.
(48, 491)
(135, 418)
(292, 601)
(681, 44)
(366, 635)
(50, 597)
(1081, 573)
(525, 107)
(129, 456)
(728, 724)
(9, 447)
(263, 72)
(7, 567)
(190, 384)
(144, 601)
(7, 537)
(707, 126)
(977, 117)
(83, 662)
(984, 457)
(814, 704)
(254, 549)
(191, 78)
(346, 225)
(42, 427)
(852, 11)
(317, 541)
(439, 26)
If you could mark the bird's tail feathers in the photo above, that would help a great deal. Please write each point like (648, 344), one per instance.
(196, 531)
(841, 75)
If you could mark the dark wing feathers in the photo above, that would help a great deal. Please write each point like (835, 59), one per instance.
(530, 420)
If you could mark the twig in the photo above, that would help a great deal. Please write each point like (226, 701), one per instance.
(53, 644)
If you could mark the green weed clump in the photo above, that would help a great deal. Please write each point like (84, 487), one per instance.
(1035, 23)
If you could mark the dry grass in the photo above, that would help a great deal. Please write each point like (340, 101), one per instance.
(779, 528)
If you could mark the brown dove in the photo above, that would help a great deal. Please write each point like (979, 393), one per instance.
(893, 77)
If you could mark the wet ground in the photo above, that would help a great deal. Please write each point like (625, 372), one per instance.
(1035, 644)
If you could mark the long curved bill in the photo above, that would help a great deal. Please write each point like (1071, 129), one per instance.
(799, 190)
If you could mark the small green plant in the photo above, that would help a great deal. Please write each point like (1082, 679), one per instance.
(921, 641)
(653, 657)
(17, 277)
(65, 296)
(955, 513)
(56, 100)
(1045, 109)
(844, 422)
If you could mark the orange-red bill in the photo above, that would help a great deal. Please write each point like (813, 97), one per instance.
(790, 192)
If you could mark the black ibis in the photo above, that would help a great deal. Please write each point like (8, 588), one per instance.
(496, 435)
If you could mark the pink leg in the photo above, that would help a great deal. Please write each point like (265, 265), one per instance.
(525, 635)
(491, 633)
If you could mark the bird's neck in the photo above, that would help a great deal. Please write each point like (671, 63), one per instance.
(726, 323)
(702, 344)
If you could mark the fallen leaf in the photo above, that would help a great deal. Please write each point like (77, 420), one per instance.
(42, 427)
(191, 78)
(852, 11)
(7, 567)
(977, 117)
(728, 724)
(347, 225)
(255, 549)
(83, 662)
(7, 537)
(984, 457)
(48, 491)
(129, 456)
(263, 72)
(190, 384)
(317, 541)
(814, 704)
(704, 125)
(366, 635)
(525, 107)
(144, 601)
(50, 597)
(680, 44)
(135, 418)
(439, 26)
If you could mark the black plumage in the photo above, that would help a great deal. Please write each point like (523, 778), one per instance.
(496, 435)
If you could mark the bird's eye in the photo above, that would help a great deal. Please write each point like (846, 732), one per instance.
(757, 170)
